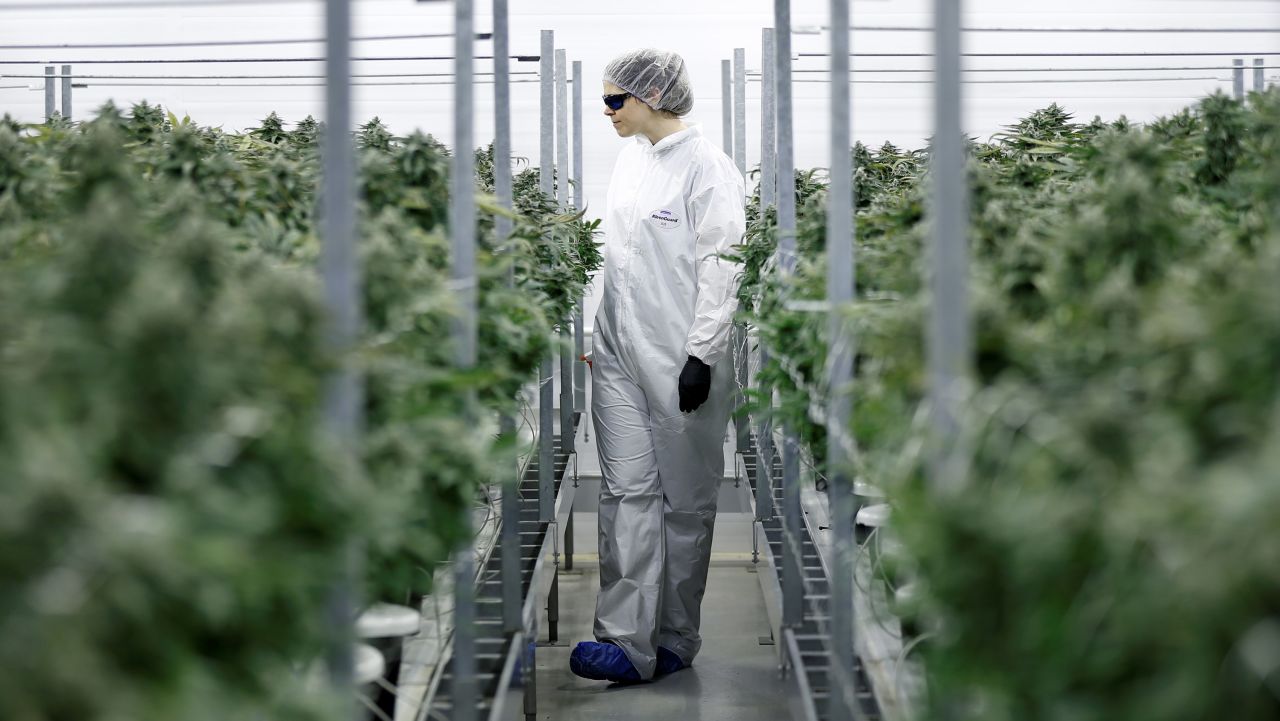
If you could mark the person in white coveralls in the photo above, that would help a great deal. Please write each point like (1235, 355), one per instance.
(662, 372)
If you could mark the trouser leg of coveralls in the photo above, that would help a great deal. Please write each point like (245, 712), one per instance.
(690, 452)
(631, 535)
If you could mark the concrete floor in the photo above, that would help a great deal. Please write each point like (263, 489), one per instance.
(734, 678)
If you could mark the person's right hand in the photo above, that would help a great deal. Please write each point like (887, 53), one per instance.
(695, 384)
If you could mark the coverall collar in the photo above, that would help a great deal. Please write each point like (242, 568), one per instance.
(677, 138)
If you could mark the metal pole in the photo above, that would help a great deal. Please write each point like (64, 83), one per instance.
(768, 195)
(562, 129)
(949, 342)
(840, 292)
(742, 431)
(1259, 77)
(1237, 78)
(340, 271)
(49, 96)
(66, 92)
(546, 390)
(563, 171)
(511, 586)
(726, 106)
(462, 228)
(768, 119)
(793, 590)
(579, 202)
(740, 108)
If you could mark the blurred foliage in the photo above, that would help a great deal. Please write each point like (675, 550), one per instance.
(1114, 552)
(173, 517)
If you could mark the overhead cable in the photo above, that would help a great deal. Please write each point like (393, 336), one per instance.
(276, 84)
(82, 76)
(1062, 30)
(139, 4)
(1183, 68)
(1132, 54)
(223, 43)
(186, 61)
(1038, 81)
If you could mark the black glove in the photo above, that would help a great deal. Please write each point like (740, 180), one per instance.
(695, 384)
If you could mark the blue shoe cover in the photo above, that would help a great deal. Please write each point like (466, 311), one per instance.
(602, 662)
(668, 662)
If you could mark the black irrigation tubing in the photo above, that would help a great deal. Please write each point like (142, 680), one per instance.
(180, 61)
(225, 43)
(1196, 31)
(1169, 54)
(81, 76)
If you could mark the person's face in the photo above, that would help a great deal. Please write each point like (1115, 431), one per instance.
(631, 118)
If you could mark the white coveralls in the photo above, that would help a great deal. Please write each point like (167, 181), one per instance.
(673, 207)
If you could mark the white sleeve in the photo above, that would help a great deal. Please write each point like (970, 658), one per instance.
(719, 220)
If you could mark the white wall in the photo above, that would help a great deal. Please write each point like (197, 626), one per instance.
(704, 31)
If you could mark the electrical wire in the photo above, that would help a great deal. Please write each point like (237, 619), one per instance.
(194, 61)
(140, 4)
(224, 43)
(1196, 31)
(279, 85)
(1040, 81)
(80, 76)
(1182, 68)
(1128, 54)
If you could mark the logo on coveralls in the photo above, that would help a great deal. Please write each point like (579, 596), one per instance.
(664, 219)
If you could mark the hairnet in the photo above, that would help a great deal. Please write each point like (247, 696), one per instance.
(642, 72)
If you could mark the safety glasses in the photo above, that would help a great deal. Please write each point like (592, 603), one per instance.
(616, 101)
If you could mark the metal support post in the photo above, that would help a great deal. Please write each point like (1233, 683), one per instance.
(579, 203)
(1237, 78)
(50, 95)
(766, 450)
(562, 130)
(792, 523)
(553, 610)
(66, 92)
(1259, 76)
(742, 430)
(511, 584)
(462, 228)
(740, 109)
(529, 667)
(949, 344)
(546, 391)
(840, 292)
(768, 196)
(568, 544)
(340, 271)
(726, 106)
(563, 172)
(793, 590)
(768, 120)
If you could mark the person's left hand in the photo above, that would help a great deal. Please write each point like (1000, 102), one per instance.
(695, 384)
